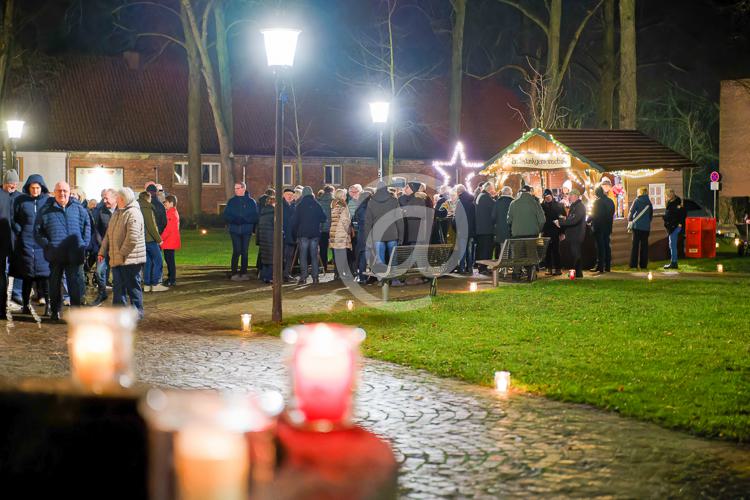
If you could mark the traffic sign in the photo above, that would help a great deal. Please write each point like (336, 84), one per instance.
(715, 177)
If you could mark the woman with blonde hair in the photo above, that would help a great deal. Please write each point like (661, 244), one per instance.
(340, 239)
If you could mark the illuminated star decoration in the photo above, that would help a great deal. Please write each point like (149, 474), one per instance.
(458, 155)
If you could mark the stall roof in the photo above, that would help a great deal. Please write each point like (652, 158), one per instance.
(608, 150)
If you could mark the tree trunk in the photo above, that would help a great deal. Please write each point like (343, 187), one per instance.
(195, 174)
(6, 45)
(457, 73)
(214, 99)
(225, 75)
(605, 111)
(628, 92)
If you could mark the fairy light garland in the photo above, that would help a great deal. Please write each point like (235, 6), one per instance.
(637, 174)
(459, 155)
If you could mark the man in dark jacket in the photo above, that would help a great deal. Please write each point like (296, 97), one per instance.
(485, 223)
(62, 229)
(241, 215)
(305, 225)
(160, 213)
(553, 210)
(325, 201)
(10, 186)
(418, 214)
(442, 223)
(640, 215)
(602, 216)
(674, 222)
(360, 247)
(574, 228)
(6, 246)
(466, 217)
(500, 218)
(102, 215)
(384, 223)
(290, 242)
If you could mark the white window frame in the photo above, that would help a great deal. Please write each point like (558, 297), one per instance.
(184, 167)
(211, 182)
(288, 180)
(332, 178)
(658, 196)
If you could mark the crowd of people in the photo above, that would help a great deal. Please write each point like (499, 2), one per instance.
(54, 244)
(52, 241)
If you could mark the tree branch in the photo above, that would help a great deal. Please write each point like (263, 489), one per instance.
(528, 14)
(574, 41)
(518, 68)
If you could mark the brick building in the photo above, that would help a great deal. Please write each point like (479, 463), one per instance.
(112, 120)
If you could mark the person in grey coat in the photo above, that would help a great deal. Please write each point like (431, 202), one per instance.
(485, 226)
(574, 228)
(525, 215)
(641, 213)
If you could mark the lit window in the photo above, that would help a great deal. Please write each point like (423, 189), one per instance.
(656, 194)
(332, 175)
(288, 175)
(210, 173)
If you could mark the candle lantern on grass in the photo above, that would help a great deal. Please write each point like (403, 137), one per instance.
(247, 322)
(323, 364)
(650, 276)
(502, 382)
(349, 305)
(100, 345)
(473, 287)
(720, 268)
(572, 274)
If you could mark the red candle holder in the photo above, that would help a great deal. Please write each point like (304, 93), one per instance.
(572, 274)
(323, 364)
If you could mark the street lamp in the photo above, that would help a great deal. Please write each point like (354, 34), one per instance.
(280, 47)
(379, 112)
(15, 131)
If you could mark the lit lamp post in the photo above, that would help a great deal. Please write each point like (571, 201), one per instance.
(15, 131)
(379, 112)
(280, 47)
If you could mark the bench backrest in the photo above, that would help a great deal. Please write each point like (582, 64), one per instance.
(430, 260)
(524, 251)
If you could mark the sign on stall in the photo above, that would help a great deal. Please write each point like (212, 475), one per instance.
(537, 161)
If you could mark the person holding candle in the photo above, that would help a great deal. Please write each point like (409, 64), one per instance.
(125, 246)
(63, 229)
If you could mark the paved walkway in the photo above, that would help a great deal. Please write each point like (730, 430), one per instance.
(454, 440)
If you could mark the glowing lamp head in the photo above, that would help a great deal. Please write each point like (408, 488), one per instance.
(15, 128)
(379, 111)
(281, 45)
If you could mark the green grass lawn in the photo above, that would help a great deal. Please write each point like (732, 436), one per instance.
(675, 352)
(211, 249)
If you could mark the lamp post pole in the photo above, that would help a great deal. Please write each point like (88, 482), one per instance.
(278, 239)
(380, 153)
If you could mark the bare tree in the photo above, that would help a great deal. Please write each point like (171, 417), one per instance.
(555, 68)
(628, 97)
(605, 108)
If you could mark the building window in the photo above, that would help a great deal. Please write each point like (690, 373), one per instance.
(332, 175)
(211, 173)
(288, 175)
(656, 194)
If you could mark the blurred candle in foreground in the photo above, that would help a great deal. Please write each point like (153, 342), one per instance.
(211, 463)
(473, 286)
(720, 268)
(502, 382)
(247, 322)
(349, 305)
(323, 367)
(100, 345)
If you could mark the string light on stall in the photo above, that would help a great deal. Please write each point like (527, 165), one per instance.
(637, 174)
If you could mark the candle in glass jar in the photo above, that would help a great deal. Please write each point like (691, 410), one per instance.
(92, 356)
(720, 268)
(502, 382)
(349, 305)
(572, 274)
(650, 276)
(211, 463)
(473, 286)
(247, 322)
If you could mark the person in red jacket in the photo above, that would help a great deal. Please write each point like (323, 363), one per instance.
(170, 238)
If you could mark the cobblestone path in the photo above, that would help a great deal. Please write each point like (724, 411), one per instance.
(453, 440)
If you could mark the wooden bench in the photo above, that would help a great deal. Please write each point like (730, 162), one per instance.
(429, 261)
(518, 252)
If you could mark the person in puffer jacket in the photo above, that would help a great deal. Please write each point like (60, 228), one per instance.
(28, 261)
(63, 229)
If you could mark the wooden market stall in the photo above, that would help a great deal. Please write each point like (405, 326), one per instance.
(581, 158)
